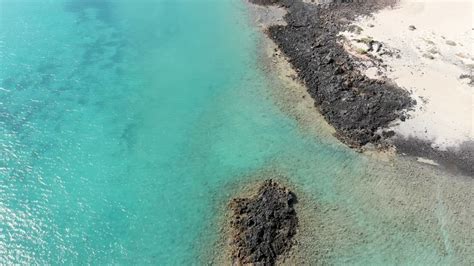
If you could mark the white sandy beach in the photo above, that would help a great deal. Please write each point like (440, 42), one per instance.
(432, 46)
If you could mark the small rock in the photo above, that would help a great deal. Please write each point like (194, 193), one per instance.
(376, 46)
(428, 56)
(388, 134)
(361, 51)
(433, 51)
(338, 71)
(355, 29)
(430, 42)
(448, 42)
(469, 77)
(411, 27)
(328, 59)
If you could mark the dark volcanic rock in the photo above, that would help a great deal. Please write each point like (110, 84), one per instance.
(272, 2)
(285, 3)
(354, 104)
(264, 225)
(264, 2)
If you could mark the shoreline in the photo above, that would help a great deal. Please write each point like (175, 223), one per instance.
(378, 135)
(424, 47)
(291, 96)
(390, 195)
(358, 107)
(289, 92)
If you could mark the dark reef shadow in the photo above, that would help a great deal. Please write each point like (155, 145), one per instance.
(103, 8)
(456, 159)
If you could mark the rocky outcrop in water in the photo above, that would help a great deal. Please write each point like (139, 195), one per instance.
(264, 2)
(355, 105)
(263, 226)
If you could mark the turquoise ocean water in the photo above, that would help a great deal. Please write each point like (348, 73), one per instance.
(123, 122)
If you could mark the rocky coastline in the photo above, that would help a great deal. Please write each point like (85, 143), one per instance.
(362, 109)
(359, 108)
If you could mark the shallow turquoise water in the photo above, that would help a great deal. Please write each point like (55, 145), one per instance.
(102, 109)
(122, 123)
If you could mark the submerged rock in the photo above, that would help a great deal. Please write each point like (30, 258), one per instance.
(263, 226)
